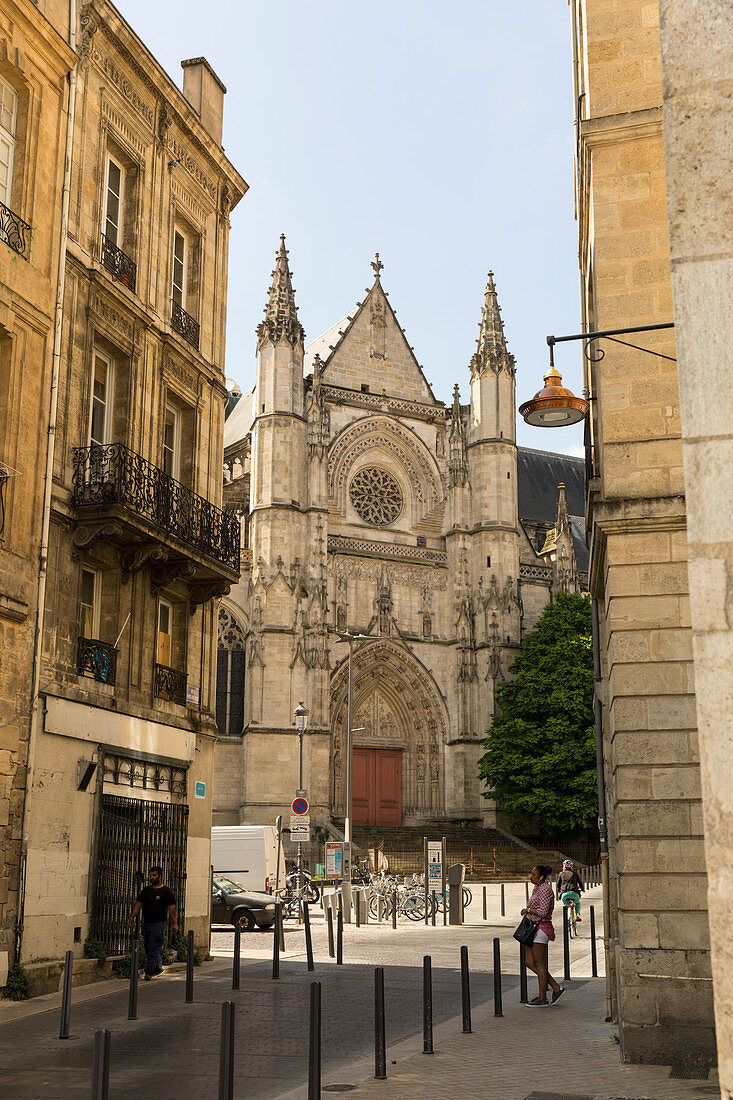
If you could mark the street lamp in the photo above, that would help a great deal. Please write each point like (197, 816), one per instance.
(347, 636)
(300, 714)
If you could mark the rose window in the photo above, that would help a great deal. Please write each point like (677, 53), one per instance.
(376, 496)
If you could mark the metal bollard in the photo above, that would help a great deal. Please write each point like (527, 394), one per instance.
(465, 992)
(427, 1006)
(526, 892)
(434, 907)
(523, 995)
(497, 977)
(357, 907)
(340, 939)
(100, 1065)
(503, 901)
(329, 919)
(593, 953)
(281, 924)
(308, 939)
(276, 942)
(314, 1044)
(132, 1001)
(565, 944)
(485, 914)
(226, 1052)
(394, 908)
(189, 968)
(237, 960)
(66, 996)
(380, 1041)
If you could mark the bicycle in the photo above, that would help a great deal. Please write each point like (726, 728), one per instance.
(569, 905)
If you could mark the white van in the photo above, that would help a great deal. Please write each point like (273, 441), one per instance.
(247, 854)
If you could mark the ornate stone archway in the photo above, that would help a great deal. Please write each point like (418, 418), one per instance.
(397, 702)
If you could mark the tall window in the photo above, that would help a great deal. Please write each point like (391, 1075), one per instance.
(172, 442)
(113, 202)
(100, 415)
(89, 610)
(165, 627)
(230, 670)
(8, 119)
(179, 269)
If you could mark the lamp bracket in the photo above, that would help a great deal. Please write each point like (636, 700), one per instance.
(595, 354)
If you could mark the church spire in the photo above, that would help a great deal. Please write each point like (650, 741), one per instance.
(562, 523)
(281, 314)
(491, 350)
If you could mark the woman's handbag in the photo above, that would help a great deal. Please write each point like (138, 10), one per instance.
(526, 932)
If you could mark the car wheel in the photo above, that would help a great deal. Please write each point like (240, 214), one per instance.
(244, 920)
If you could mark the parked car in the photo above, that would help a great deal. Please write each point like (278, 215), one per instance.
(232, 904)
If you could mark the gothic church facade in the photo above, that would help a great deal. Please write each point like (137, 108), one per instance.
(368, 506)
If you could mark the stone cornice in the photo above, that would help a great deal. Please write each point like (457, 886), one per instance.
(342, 544)
(418, 410)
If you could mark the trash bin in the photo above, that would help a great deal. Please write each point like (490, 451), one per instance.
(456, 875)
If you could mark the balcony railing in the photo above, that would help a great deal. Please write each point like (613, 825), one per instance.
(170, 684)
(113, 474)
(97, 659)
(14, 231)
(119, 265)
(184, 324)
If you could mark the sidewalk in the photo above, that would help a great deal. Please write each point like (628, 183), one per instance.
(561, 1053)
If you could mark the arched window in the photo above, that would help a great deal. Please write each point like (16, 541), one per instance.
(230, 676)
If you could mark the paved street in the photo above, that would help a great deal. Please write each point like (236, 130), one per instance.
(176, 1044)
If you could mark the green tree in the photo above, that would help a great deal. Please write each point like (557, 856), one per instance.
(540, 753)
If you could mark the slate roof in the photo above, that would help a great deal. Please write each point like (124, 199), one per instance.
(539, 473)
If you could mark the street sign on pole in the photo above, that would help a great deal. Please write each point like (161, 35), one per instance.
(300, 805)
(300, 834)
(435, 864)
(295, 820)
(334, 859)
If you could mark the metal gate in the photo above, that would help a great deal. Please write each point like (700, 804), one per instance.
(135, 835)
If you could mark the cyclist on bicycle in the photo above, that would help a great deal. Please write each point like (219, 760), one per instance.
(569, 886)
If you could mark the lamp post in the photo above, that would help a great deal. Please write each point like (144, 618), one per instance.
(347, 636)
(300, 714)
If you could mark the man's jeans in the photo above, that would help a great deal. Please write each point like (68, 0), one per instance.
(154, 935)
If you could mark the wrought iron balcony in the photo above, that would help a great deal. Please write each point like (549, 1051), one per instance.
(14, 231)
(97, 659)
(119, 265)
(115, 475)
(170, 684)
(184, 324)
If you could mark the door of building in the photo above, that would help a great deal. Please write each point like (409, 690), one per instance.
(377, 787)
(135, 835)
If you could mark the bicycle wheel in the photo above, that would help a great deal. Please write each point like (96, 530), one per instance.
(414, 907)
(467, 897)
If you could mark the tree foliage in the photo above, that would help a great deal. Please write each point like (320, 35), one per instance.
(540, 753)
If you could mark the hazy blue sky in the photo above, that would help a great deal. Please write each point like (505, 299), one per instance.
(437, 133)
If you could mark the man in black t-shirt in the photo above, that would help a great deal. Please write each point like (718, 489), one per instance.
(155, 900)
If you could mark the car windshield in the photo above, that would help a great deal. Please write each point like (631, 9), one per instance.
(228, 886)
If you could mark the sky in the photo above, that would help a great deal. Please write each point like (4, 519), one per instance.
(437, 134)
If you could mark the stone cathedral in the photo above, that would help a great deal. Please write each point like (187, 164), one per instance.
(368, 506)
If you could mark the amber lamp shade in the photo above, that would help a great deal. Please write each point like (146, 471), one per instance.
(554, 406)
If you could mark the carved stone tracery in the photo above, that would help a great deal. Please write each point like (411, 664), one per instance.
(376, 496)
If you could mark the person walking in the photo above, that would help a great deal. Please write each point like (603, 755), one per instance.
(539, 910)
(156, 901)
(569, 886)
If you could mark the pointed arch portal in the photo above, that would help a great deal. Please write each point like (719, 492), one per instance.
(400, 729)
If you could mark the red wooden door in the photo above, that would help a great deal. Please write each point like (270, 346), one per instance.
(377, 798)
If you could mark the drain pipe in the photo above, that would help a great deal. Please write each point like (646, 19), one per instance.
(602, 824)
(47, 486)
